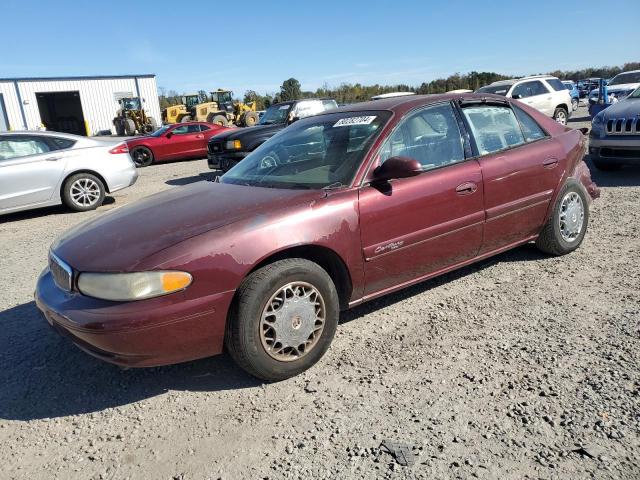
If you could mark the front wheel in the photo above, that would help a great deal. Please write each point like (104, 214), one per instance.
(561, 116)
(565, 230)
(142, 156)
(83, 192)
(283, 319)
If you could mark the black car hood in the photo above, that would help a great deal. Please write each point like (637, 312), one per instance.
(249, 133)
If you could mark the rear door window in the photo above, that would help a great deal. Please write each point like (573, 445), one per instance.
(529, 89)
(530, 128)
(556, 84)
(493, 127)
(22, 146)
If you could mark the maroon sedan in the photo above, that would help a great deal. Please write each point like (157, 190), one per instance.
(173, 142)
(337, 209)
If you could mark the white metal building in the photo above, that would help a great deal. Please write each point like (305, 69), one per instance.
(80, 105)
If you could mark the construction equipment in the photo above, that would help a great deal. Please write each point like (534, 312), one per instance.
(131, 118)
(183, 112)
(221, 110)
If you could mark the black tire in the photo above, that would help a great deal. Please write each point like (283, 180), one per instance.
(119, 124)
(75, 182)
(551, 239)
(217, 119)
(575, 103)
(250, 119)
(129, 127)
(142, 156)
(243, 338)
(561, 115)
(186, 118)
(606, 166)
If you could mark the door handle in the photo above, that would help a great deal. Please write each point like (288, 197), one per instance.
(52, 159)
(199, 136)
(466, 188)
(550, 163)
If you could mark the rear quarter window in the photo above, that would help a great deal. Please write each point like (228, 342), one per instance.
(556, 84)
(58, 143)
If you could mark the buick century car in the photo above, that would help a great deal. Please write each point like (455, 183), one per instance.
(335, 210)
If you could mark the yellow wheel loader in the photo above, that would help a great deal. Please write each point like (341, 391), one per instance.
(183, 112)
(131, 118)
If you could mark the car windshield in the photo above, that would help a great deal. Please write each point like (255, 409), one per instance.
(621, 78)
(496, 89)
(160, 131)
(317, 152)
(275, 114)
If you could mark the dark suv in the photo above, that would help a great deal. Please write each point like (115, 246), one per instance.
(228, 148)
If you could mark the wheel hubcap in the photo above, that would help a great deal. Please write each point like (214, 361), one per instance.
(571, 217)
(292, 321)
(85, 192)
(141, 156)
(561, 118)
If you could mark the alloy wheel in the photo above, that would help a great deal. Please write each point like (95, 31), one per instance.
(85, 192)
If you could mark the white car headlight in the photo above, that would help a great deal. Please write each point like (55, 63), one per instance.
(233, 145)
(123, 287)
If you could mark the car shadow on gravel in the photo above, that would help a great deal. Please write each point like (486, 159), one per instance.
(627, 176)
(527, 252)
(208, 177)
(46, 211)
(44, 375)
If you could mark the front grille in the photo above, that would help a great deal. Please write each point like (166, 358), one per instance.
(62, 273)
(623, 126)
(215, 147)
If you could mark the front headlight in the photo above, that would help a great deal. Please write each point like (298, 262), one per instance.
(598, 120)
(233, 145)
(124, 287)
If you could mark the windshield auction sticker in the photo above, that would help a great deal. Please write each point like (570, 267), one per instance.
(345, 122)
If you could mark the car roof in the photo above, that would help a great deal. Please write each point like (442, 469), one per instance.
(401, 105)
(511, 81)
(44, 133)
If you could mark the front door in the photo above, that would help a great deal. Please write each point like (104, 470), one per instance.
(416, 226)
(185, 141)
(29, 171)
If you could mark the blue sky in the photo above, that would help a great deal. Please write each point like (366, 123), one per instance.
(258, 44)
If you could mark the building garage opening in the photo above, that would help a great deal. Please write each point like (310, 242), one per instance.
(4, 120)
(62, 112)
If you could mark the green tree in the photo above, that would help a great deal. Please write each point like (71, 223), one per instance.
(290, 90)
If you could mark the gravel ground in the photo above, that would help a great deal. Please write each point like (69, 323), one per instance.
(522, 366)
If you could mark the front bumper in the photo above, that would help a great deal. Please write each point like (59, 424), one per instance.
(224, 161)
(616, 150)
(157, 331)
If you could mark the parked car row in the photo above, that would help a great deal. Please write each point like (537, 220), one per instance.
(263, 260)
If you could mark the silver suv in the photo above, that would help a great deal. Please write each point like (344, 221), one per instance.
(542, 92)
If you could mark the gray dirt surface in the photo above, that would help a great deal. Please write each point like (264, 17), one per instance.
(521, 366)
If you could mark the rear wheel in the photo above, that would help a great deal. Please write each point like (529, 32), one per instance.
(575, 103)
(250, 119)
(82, 192)
(118, 123)
(283, 320)
(561, 115)
(565, 230)
(142, 156)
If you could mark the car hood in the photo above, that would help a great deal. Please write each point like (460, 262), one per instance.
(120, 240)
(248, 132)
(625, 108)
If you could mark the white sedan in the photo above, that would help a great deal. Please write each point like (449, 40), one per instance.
(39, 169)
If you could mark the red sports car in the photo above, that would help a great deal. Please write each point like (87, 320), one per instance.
(335, 210)
(173, 142)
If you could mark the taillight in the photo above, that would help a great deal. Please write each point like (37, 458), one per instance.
(120, 148)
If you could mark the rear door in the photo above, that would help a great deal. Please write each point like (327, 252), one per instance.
(30, 170)
(416, 226)
(521, 167)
